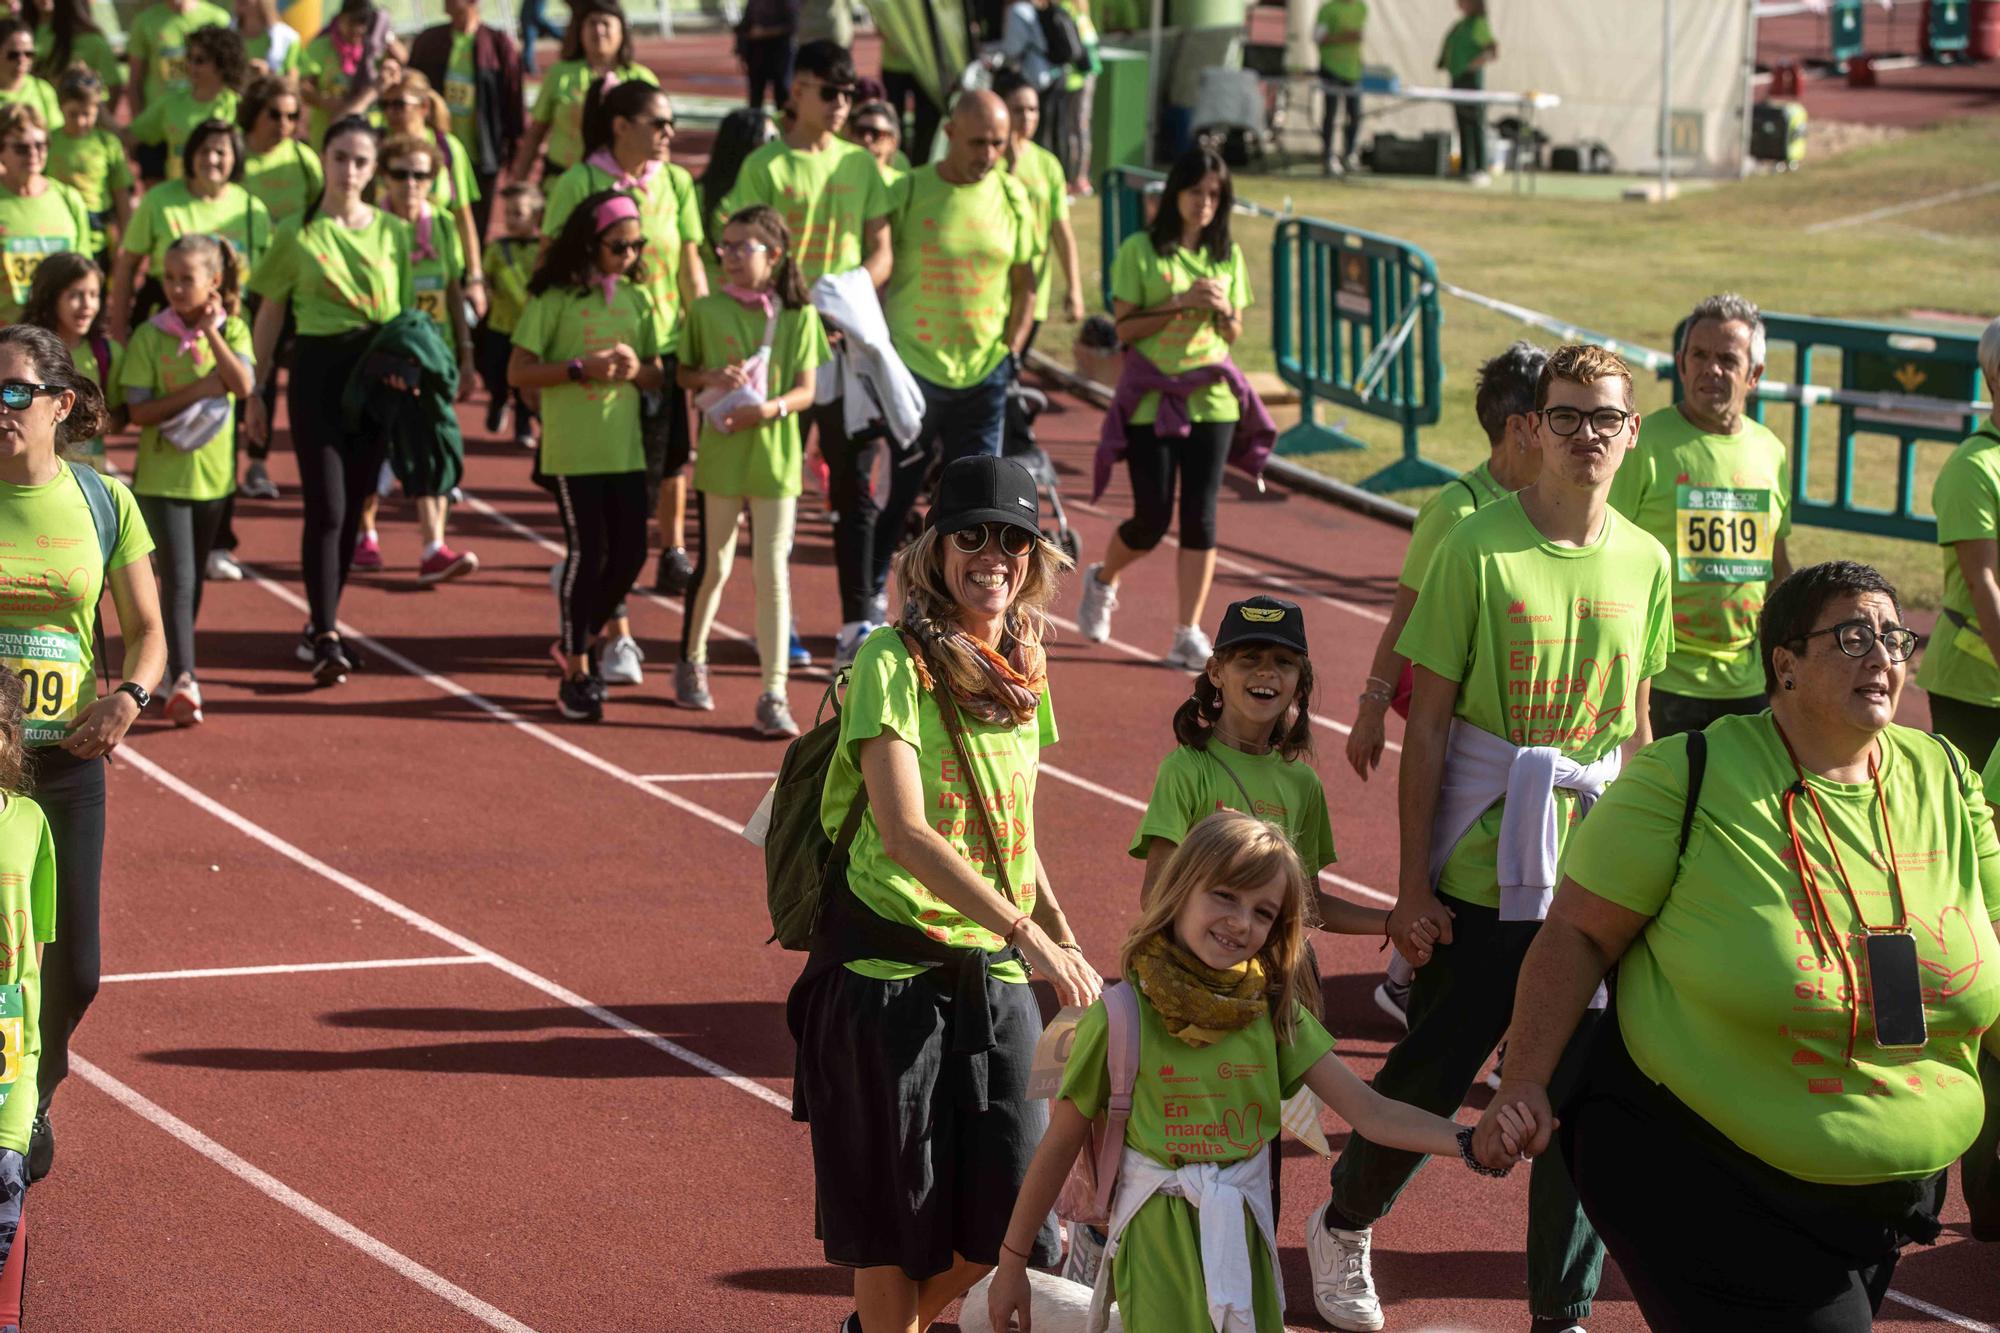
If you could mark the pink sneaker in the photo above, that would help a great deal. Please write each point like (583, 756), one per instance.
(367, 552)
(446, 563)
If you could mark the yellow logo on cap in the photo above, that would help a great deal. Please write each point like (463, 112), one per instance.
(1258, 615)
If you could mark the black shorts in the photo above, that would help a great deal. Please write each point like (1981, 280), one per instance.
(908, 1174)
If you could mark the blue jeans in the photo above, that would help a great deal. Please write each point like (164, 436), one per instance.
(534, 24)
(965, 421)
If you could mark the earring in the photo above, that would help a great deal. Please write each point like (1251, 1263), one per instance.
(1791, 685)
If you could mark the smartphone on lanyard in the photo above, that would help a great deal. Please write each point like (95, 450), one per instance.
(1898, 996)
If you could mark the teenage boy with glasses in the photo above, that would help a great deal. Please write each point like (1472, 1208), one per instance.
(1541, 621)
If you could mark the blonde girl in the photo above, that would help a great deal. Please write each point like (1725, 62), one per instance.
(1227, 1031)
(760, 340)
(184, 371)
(68, 300)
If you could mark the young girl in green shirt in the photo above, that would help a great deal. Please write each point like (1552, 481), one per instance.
(68, 300)
(750, 352)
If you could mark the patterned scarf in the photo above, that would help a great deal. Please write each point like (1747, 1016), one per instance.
(1199, 1004)
(999, 691)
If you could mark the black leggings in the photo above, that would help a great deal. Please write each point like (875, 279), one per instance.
(71, 794)
(604, 522)
(850, 493)
(183, 532)
(336, 470)
(1154, 463)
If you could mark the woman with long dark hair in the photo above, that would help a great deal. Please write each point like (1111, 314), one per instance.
(597, 50)
(65, 34)
(741, 133)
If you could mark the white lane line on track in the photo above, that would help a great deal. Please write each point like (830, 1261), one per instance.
(278, 1191)
(410, 916)
(1951, 1317)
(708, 777)
(290, 969)
(1897, 210)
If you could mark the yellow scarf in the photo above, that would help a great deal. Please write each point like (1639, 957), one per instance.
(1199, 1004)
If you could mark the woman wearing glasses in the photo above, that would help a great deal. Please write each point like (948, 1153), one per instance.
(1798, 903)
(412, 107)
(39, 216)
(750, 351)
(590, 340)
(18, 82)
(209, 197)
(46, 621)
(914, 1025)
(596, 50)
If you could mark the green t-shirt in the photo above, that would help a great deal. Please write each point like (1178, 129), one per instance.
(32, 229)
(1723, 997)
(1966, 499)
(559, 106)
(1215, 1104)
(431, 277)
(1719, 504)
(51, 575)
(319, 69)
(338, 279)
(461, 88)
(171, 210)
(763, 461)
(1341, 59)
(285, 180)
(669, 218)
(827, 198)
(259, 48)
(949, 292)
(1192, 338)
(884, 695)
(91, 48)
(39, 94)
(155, 362)
(173, 118)
(1462, 45)
(1463, 495)
(1193, 784)
(157, 41)
(85, 360)
(590, 429)
(453, 185)
(28, 907)
(1040, 173)
(508, 264)
(93, 164)
(1548, 645)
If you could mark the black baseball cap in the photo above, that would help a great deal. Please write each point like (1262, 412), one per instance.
(984, 489)
(1263, 619)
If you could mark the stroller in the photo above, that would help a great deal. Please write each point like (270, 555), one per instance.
(1017, 441)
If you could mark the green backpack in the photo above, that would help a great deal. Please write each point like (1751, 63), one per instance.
(801, 864)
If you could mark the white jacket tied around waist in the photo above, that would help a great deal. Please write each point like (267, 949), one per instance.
(866, 373)
(1481, 768)
(1220, 1193)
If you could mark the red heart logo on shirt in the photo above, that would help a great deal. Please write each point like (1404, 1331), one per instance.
(1244, 1129)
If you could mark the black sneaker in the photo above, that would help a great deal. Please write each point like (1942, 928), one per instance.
(330, 664)
(581, 698)
(41, 1148)
(675, 573)
(307, 650)
(496, 412)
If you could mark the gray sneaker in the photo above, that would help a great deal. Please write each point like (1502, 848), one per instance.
(691, 686)
(618, 661)
(1191, 649)
(774, 717)
(1093, 613)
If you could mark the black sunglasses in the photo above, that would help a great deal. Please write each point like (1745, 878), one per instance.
(870, 133)
(836, 92)
(408, 174)
(27, 147)
(18, 56)
(17, 395)
(1604, 421)
(1857, 638)
(624, 247)
(654, 124)
(1015, 542)
(276, 113)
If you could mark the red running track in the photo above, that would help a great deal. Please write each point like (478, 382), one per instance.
(565, 1108)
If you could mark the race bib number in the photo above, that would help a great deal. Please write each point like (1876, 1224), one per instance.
(24, 254)
(174, 69)
(458, 94)
(431, 302)
(50, 665)
(1045, 1075)
(1722, 534)
(12, 1017)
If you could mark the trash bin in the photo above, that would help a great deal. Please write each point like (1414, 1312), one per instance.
(1118, 115)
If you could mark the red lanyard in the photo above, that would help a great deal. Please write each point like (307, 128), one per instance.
(1809, 880)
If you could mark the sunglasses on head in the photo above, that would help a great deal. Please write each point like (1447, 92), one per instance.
(16, 395)
(622, 248)
(408, 174)
(1015, 542)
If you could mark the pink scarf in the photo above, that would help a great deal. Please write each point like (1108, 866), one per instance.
(423, 249)
(350, 56)
(751, 299)
(169, 322)
(608, 284)
(622, 179)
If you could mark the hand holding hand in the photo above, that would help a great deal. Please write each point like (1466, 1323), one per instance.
(1404, 916)
(1520, 1112)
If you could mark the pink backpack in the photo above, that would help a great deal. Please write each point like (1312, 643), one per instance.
(1086, 1195)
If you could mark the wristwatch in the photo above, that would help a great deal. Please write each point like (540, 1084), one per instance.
(575, 369)
(140, 695)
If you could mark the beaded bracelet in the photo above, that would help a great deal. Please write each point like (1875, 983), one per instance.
(1465, 1151)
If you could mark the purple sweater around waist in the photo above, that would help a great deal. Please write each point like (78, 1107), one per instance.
(1249, 450)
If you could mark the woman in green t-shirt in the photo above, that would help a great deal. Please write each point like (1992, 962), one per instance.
(597, 48)
(92, 525)
(216, 68)
(1798, 903)
(412, 107)
(18, 82)
(39, 216)
(1178, 293)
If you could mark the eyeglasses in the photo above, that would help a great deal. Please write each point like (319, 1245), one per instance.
(1857, 638)
(406, 103)
(21, 57)
(622, 248)
(408, 174)
(743, 249)
(836, 92)
(28, 147)
(1015, 542)
(870, 133)
(654, 124)
(1604, 421)
(281, 116)
(16, 395)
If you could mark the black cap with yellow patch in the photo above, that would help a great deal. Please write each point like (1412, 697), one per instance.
(1263, 619)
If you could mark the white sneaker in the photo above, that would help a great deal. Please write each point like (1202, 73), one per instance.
(618, 661)
(222, 566)
(1093, 613)
(1343, 1280)
(1481, 179)
(848, 642)
(1394, 1000)
(1191, 648)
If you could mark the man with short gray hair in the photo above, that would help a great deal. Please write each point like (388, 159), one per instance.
(1712, 486)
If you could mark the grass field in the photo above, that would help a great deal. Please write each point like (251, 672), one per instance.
(1632, 270)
